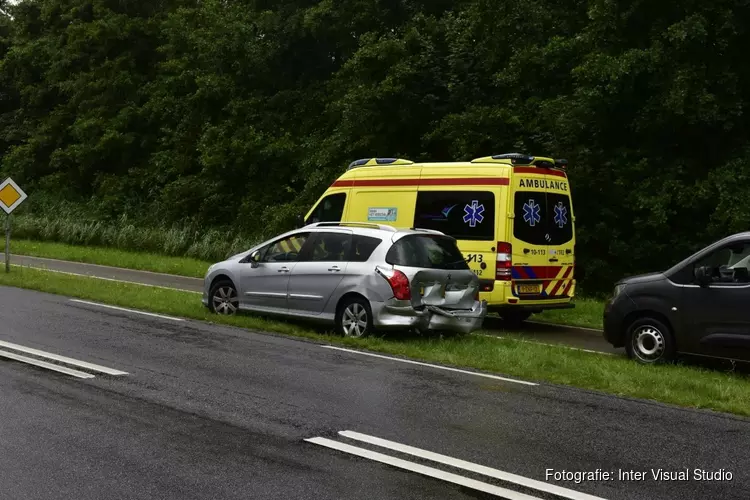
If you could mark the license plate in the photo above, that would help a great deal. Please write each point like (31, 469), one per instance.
(530, 289)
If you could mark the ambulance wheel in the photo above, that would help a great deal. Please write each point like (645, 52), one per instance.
(650, 342)
(514, 319)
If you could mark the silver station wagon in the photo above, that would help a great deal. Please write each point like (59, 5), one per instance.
(361, 277)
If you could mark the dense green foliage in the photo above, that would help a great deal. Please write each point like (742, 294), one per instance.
(236, 115)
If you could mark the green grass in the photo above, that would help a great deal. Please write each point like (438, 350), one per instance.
(680, 385)
(587, 313)
(184, 266)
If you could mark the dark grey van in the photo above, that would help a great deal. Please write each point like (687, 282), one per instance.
(700, 306)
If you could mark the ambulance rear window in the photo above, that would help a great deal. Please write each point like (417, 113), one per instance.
(542, 218)
(465, 215)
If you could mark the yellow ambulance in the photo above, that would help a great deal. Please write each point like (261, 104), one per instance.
(511, 215)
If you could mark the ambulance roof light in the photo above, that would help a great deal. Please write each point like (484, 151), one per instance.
(523, 159)
(369, 162)
(514, 157)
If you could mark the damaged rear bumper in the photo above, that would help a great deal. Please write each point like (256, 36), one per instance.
(401, 314)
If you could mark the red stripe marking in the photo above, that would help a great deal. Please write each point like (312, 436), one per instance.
(546, 272)
(539, 171)
(461, 181)
(522, 272)
(562, 281)
(568, 274)
(567, 288)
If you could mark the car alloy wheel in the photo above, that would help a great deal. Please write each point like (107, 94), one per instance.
(648, 343)
(354, 321)
(225, 300)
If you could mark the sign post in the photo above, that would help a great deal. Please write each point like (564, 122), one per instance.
(10, 197)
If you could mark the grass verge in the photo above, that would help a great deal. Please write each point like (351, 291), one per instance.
(184, 266)
(680, 385)
(587, 313)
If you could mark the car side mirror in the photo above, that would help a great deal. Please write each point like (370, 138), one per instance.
(255, 259)
(702, 275)
(300, 220)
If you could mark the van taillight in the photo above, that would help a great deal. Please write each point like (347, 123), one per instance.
(504, 261)
(400, 285)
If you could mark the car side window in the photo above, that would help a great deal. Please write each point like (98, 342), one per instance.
(286, 250)
(728, 265)
(362, 248)
(330, 247)
(330, 209)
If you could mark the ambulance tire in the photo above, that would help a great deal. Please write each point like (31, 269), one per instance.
(649, 341)
(513, 319)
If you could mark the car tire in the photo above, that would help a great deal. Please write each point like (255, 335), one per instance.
(514, 319)
(223, 298)
(649, 341)
(354, 318)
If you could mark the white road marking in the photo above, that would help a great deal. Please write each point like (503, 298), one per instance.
(421, 469)
(485, 375)
(44, 364)
(127, 269)
(469, 466)
(62, 359)
(127, 310)
(500, 337)
(107, 279)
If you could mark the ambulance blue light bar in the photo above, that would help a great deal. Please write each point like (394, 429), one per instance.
(515, 158)
(523, 159)
(369, 162)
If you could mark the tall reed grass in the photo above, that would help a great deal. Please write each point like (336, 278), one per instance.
(125, 234)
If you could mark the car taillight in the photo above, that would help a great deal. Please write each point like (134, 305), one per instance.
(400, 285)
(504, 261)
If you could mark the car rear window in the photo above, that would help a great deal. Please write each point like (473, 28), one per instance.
(363, 247)
(542, 218)
(465, 215)
(428, 251)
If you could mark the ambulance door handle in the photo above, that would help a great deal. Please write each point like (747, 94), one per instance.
(553, 259)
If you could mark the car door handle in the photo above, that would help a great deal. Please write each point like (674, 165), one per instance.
(284, 270)
(334, 269)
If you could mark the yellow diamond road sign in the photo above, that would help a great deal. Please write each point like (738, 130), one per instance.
(10, 195)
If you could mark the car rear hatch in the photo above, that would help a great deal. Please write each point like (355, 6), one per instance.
(439, 278)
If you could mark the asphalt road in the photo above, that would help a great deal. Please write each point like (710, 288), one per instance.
(581, 338)
(215, 412)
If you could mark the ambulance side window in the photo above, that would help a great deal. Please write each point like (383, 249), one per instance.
(330, 209)
(465, 215)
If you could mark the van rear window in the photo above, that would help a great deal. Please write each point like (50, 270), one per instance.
(428, 251)
(542, 218)
(465, 215)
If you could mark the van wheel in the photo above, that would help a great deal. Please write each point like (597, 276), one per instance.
(649, 341)
(354, 317)
(514, 319)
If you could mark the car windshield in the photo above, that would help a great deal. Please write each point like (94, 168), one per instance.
(428, 251)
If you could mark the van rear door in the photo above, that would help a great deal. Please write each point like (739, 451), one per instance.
(541, 233)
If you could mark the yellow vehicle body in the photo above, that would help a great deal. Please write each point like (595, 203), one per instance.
(511, 215)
